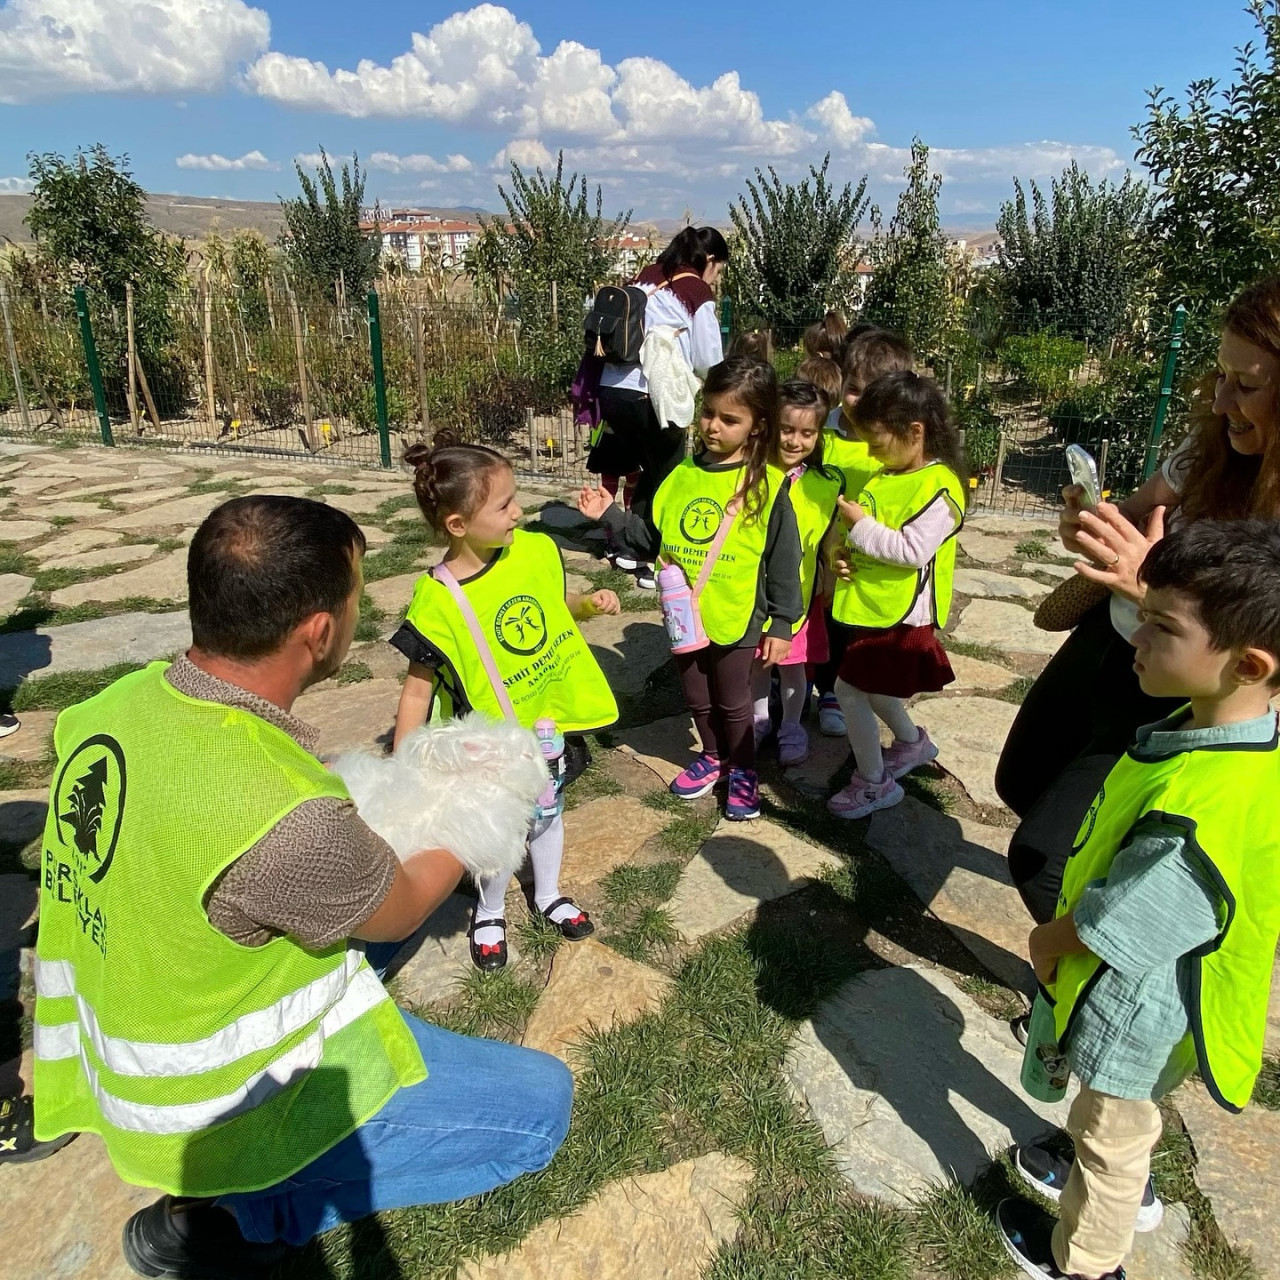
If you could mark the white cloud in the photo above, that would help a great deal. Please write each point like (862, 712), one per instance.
(417, 163)
(843, 128)
(1038, 160)
(528, 153)
(220, 164)
(52, 47)
(15, 186)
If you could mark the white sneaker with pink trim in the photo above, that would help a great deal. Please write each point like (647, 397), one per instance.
(902, 757)
(861, 797)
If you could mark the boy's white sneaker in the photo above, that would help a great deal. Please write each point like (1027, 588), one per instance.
(830, 717)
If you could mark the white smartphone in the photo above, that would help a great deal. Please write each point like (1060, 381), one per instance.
(1084, 472)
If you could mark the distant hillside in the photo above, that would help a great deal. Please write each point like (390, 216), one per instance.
(191, 217)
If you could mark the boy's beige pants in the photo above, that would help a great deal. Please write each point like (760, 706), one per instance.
(1114, 1139)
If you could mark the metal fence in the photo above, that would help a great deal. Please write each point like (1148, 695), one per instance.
(265, 372)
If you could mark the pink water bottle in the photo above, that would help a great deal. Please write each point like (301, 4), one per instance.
(552, 743)
(680, 611)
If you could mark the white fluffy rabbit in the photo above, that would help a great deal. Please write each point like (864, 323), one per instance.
(467, 785)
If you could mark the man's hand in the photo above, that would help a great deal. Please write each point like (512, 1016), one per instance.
(593, 503)
(773, 650)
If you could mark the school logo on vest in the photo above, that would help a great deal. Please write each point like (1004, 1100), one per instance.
(700, 520)
(521, 626)
(1090, 821)
(88, 810)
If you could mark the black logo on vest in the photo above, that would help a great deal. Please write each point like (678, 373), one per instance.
(88, 807)
(700, 520)
(521, 626)
(1090, 821)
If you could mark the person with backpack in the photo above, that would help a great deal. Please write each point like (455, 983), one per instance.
(676, 292)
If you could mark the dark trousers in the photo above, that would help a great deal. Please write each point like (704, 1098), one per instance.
(717, 686)
(660, 448)
(1078, 720)
(825, 673)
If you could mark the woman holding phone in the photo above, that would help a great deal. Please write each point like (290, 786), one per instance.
(1082, 712)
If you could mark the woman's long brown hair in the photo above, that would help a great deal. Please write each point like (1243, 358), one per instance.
(1221, 484)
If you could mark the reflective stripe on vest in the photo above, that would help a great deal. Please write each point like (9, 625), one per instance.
(1224, 800)
(849, 456)
(879, 594)
(362, 993)
(688, 510)
(193, 1056)
(546, 665)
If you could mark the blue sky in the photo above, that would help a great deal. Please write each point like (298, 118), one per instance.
(668, 105)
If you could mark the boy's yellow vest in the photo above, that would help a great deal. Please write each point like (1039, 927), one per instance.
(813, 499)
(207, 1066)
(849, 456)
(687, 509)
(1225, 800)
(879, 594)
(545, 664)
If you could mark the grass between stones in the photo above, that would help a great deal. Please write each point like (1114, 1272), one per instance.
(353, 673)
(409, 542)
(34, 610)
(1266, 1093)
(1034, 548)
(14, 561)
(371, 618)
(983, 652)
(1017, 691)
(53, 693)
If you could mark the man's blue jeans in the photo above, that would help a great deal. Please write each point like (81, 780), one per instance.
(486, 1113)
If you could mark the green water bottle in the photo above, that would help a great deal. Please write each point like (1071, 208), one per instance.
(1044, 1067)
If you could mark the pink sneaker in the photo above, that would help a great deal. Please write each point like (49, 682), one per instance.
(698, 778)
(793, 744)
(902, 757)
(861, 797)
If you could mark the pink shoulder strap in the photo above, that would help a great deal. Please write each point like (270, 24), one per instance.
(717, 545)
(444, 575)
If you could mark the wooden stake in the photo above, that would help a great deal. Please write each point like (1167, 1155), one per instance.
(309, 434)
(131, 381)
(419, 342)
(208, 354)
(13, 360)
(146, 397)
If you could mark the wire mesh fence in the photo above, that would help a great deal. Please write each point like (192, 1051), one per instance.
(263, 371)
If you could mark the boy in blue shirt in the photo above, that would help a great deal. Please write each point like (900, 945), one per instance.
(1159, 959)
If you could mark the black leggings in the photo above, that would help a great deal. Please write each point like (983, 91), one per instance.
(717, 686)
(1078, 719)
(660, 449)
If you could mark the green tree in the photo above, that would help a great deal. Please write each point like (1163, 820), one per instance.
(911, 288)
(1213, 159)
(1071, 262)
(795, 253)
(323, 239)
(555, 233)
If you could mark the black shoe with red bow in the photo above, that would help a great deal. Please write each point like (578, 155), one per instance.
(574, 927)
(487, 955)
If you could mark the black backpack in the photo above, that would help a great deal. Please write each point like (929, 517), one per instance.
(615, 325)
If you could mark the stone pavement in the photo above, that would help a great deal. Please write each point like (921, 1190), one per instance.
(907, 1076)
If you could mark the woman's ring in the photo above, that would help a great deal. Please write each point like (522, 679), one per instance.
(1115, 560)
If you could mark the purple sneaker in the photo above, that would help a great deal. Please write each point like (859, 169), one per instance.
(902, 757)
(861, 798)
(744, 796)
(793, 744)
(698, 778)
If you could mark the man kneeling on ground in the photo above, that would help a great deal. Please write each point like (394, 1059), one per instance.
(204, 1001)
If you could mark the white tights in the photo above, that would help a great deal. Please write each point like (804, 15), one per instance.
(860, 712)
(793, 683)
(546, 851)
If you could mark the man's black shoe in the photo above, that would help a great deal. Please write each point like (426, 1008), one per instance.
(185, 1239)
(18, 1144)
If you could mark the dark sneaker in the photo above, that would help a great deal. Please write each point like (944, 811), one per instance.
(9, 724)
(743, 803)
(1047, 1171)
(698, 778)
(1027, 1233)
(18, 1144)
(186, 1239)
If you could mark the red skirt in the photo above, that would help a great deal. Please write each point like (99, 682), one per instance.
(898, 661)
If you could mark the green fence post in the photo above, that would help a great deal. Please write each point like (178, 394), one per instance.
(726, 320)
(95, 370)
(1166, 390)
(379, 378)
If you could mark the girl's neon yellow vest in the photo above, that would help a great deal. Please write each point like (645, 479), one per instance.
(880, 594)
(687, 509)
(813, 499)
(207, 1066)
(849, 456)
(1225, 800)
(545, 664)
